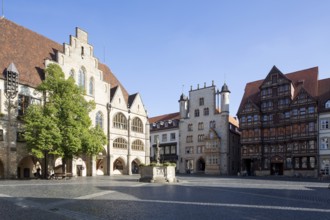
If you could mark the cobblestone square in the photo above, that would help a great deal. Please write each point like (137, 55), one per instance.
(193, 197)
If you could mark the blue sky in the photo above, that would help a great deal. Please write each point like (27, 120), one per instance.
(154, 47)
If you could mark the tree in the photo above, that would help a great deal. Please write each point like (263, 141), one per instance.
(67, 108)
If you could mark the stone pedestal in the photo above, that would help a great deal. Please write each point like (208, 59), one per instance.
(157, 174)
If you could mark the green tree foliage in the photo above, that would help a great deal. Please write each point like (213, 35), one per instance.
(67, 108)
(41, 132)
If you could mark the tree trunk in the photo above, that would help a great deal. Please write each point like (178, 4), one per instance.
(63, 165)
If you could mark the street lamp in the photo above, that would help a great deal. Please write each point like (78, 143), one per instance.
(108, 137)
(11, 90)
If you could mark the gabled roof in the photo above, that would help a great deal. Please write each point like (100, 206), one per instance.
(171, 116)
(308, 79)
(131, 99)
(28, 50)
(324, 94)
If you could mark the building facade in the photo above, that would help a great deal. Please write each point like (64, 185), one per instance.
(209, 137)
(278, 120)
(324, 126)
(122, 116)
(164, 129)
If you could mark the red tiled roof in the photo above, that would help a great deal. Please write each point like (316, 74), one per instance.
(28, 50)
(171, 116)
(324, 93)
(307, 79)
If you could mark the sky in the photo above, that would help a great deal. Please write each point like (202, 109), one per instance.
(160, 48)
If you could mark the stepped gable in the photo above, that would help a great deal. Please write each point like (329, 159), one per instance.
(307, 79)
(28, 50)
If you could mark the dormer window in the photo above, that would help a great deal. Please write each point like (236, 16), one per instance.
(327, 104)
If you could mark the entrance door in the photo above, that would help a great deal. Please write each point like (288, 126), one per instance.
(276, 169)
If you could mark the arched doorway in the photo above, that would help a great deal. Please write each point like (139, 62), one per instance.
(200, 165)
(101, 163)
(276, 167)
(29, 167)
(2, 170)
(135, 166)
(118, 166)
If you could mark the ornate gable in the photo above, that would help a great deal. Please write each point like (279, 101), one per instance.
(303, 97)
(249, 107)
(118, 99)
(136, 104)
(274, 77)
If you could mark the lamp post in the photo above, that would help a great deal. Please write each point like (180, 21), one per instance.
(108, 137)
(11, 90)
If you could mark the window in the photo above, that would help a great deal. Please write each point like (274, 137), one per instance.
(288, 163)
(311, 110)
(24, 102)
(212, 124)
(304, 162)
(200, 126)
(1, 134)
(138, 145)
(295, 112)
(274, 79)
(137, 125)
(206, 111)
(201, 138)
(172, 136)
(324, 124)
(156, 137)
(296, 163)
(302, 111)
(120, 121)
(189, 139)
(256, 118)
(81, 78)
(20, 136)
(196, 112)
(120, 143)
(173, 149)
(324, 143)
(91, 86)
(200, 149)
(212, 160)
(264, 118)
(190, 127)
(311, 127)
(312, 162)
(201, 101)
(71, 74)
(164, 137)
(99, 119)
(327, 104)
(189, 150)
(167, 150)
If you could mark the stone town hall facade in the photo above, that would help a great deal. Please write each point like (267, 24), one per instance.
(122, 116)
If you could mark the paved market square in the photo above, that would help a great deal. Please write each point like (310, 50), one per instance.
(193, 197)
